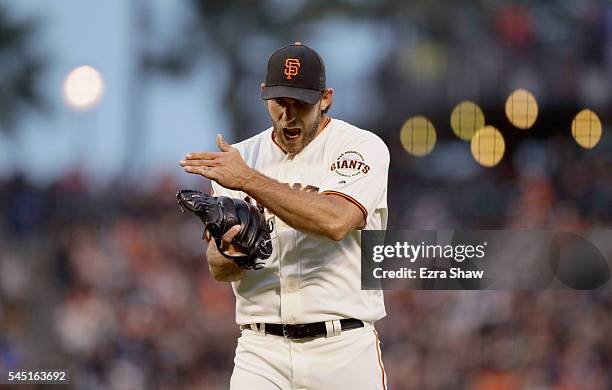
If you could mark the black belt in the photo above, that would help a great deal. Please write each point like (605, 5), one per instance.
(304, 331)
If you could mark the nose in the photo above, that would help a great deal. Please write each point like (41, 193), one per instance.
(289, 113)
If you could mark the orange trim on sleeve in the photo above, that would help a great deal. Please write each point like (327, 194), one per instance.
(384, 385)
(350, 199)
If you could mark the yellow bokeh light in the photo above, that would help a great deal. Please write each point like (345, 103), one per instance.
(488, 146)
(521, 109)
(418, 136)
(83, 87)
(466, 119)
(586, 129)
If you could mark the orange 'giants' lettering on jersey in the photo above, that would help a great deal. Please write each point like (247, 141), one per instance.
(292, 66)
(349, 164)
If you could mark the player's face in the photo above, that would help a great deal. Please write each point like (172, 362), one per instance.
(295, 123)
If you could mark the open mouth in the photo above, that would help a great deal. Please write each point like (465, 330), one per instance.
(292, 133)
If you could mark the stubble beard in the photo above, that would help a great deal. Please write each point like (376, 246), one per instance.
(294, 148)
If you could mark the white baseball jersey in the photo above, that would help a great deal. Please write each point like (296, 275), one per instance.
(310, 278)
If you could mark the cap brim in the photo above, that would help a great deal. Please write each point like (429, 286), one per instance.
(309, 96)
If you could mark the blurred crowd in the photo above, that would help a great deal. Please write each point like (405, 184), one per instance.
(559, 50)
(492, 340)
(112, 283)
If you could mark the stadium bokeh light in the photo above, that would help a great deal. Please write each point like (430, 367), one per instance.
(586, 129)
(83, 88)
(521, 109)
(418, 136)
(488, 146)
(467, 117)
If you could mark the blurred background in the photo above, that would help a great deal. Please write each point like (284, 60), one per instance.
(101, 274)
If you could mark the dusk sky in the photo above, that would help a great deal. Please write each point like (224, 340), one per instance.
(183, 113)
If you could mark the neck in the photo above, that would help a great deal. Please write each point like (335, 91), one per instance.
(324, 122)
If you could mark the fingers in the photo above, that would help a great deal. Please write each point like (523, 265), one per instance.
(223, 146)
(207, 236)
(227, 238)
(196, 156)
(203, 155)
(198, 163)
(202, 171)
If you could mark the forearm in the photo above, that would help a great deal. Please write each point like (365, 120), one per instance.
(302, 210)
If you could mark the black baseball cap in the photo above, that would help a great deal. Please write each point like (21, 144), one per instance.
(295, 71)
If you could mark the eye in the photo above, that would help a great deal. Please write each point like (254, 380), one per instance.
(300, 105)
(280, 101)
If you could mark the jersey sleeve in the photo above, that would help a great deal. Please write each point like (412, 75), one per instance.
(217, 190)
(358, 171)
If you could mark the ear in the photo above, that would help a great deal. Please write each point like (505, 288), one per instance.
(327, 99)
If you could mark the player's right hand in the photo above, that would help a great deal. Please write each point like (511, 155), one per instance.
(226, 241)
(222, 268)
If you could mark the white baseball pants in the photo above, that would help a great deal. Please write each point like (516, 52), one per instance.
(349, 360)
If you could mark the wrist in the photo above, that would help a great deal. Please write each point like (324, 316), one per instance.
(249, 181)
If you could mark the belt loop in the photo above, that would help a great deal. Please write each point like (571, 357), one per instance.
(337, 327)
(262, 329)
(329, 327)
(254, 328)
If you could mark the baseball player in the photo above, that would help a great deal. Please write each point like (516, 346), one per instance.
(306, 323)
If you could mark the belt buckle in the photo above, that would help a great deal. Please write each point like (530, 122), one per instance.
(298, 331)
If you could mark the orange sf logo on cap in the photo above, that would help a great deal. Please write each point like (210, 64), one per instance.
(292, 65)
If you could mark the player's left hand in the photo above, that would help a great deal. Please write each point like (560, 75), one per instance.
(226, 167)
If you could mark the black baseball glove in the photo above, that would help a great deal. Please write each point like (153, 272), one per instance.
(220, 213)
